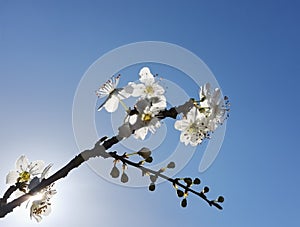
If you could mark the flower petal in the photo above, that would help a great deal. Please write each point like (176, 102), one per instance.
(22, 163)
(12, 177)
(111, 104)
(138, 89)
(146, 76)
(36, 167)
(141, 133)
(181, 125)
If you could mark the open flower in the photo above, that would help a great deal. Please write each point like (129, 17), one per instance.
(193, 127)
(212, 105)
(42, 207)
(25, 171)
(148, 88)
(146, 117)
(114, 94)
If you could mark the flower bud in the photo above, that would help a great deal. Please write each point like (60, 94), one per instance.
(180, 193)
(197, 181)
(124, 178)
(152, 187)
(171, 165)
(188, 181)
(144, 152)
(220, 199)
(184, 202)
(115, 172)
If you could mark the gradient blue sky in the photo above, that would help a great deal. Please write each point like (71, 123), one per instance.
(253, 49)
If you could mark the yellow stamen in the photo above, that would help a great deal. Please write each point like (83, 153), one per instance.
(24, 176)
(146, 117)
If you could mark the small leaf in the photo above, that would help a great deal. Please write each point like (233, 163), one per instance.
(184, 202)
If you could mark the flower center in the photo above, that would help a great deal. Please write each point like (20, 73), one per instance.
(146, 117)
(40, 210)
(193, 128)
(24, 176)
(149, 90)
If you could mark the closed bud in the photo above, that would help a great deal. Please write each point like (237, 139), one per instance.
(180, 193)
(171, 165)
(197, 181)
(220, 199)
(149, 159)
(188, 181)
(124, 178)
(153, 178)
(144, 152)
(184, 202)
(152, 187)
(205, 189)
(114, 172)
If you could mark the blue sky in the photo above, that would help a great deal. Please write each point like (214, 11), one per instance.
(252, 47)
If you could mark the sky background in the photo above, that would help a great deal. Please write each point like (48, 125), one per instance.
(252, 47)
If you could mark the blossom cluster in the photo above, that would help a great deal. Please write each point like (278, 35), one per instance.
(197, 123)
(27, 175)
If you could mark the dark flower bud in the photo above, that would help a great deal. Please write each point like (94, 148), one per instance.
(184, 202)
(180, 193)
(188, 181)
(197, 181)
(114, 172)
(124, 178)
(149, 159)
(153, 178)
(144, 152)
(171, 165)
(220, 199)
(152, 187)
(205, 189)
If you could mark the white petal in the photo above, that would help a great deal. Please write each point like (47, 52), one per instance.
(36, 167)
(122, 94)
(12, 177)
(146, 76)
(141, 133)
(181, 125)
(132, 119)
(47, 211)
(22, 163)
(45, 171)
(158, 90)
(111, 104)
(138, 90)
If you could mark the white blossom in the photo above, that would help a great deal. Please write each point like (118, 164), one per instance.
(42, 207)
(193, 127)
(212, 106)
(146, 118)
(114, 94)
(25, 171)
(148, 88)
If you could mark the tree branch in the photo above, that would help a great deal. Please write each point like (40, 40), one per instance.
(99, 150)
